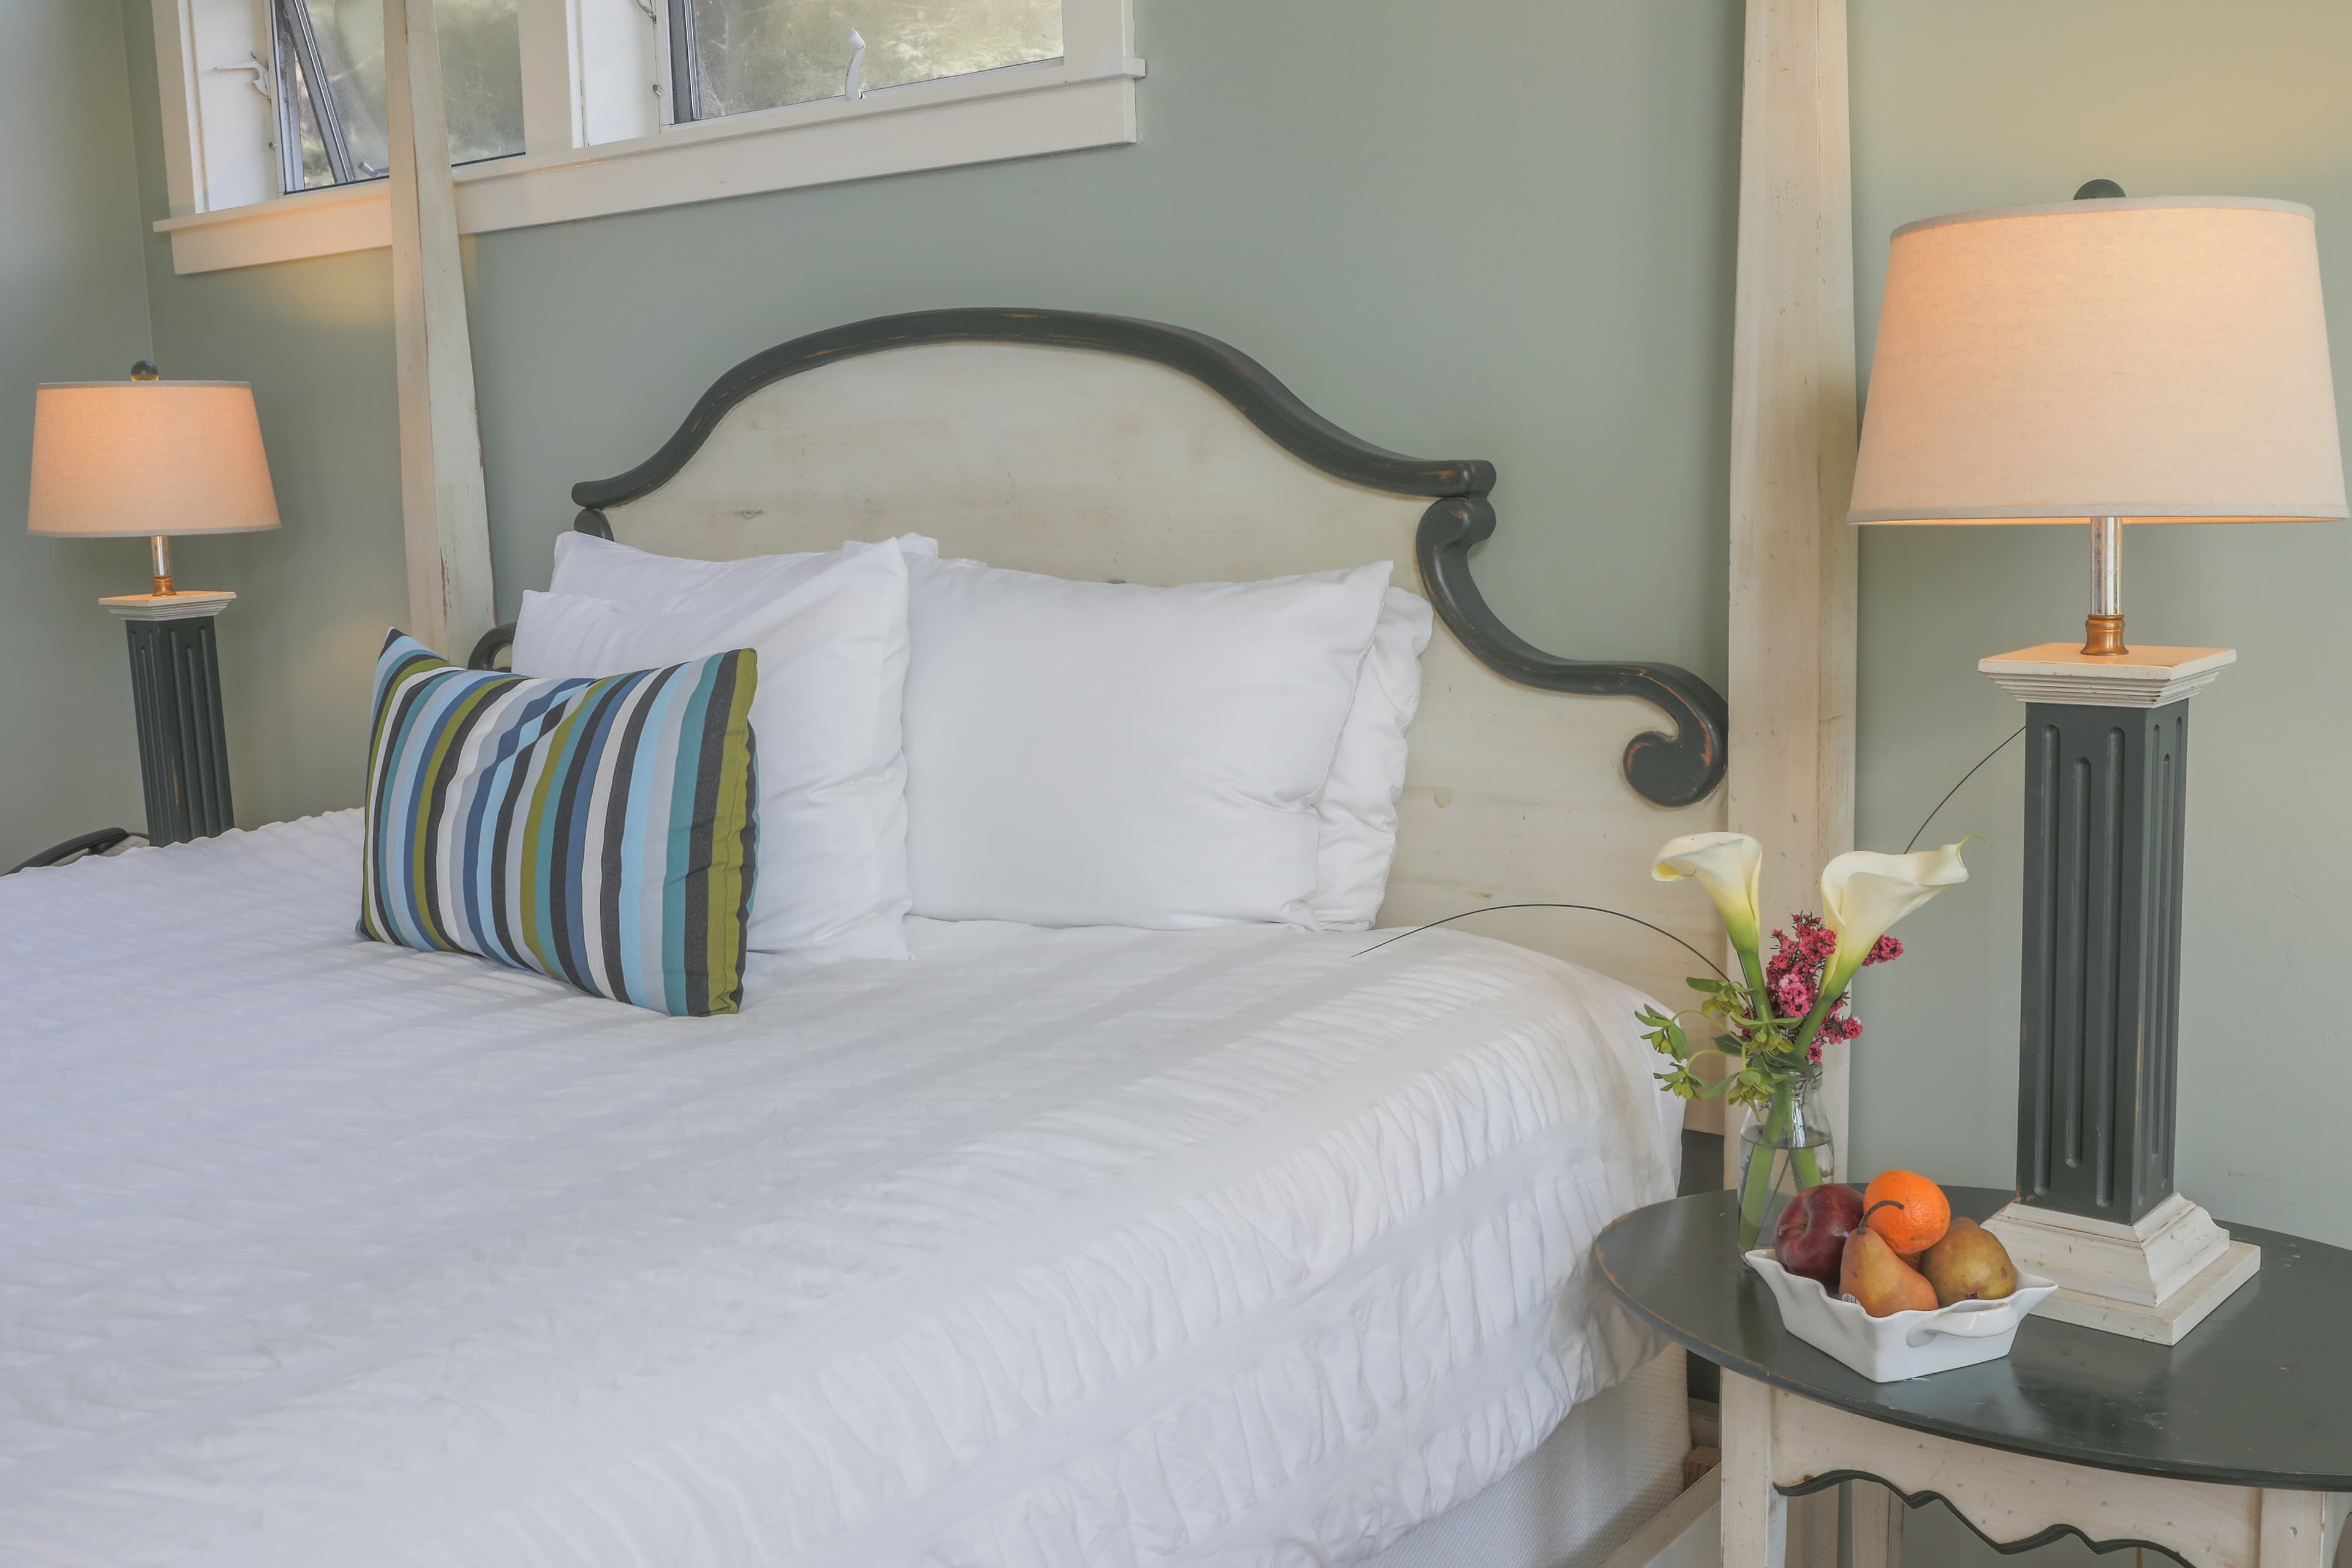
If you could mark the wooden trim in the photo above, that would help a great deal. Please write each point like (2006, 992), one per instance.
(1897, 1501)
(1791, 1446)
(553, 108)
(1021, 111)
(175, 83)
(1240, 381)
(1674, 770)
(445, 511)
(1680, 769)
(1794, 433)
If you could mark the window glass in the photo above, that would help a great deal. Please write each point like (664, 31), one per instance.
(311, 142)
(760, 54)
(481, 81)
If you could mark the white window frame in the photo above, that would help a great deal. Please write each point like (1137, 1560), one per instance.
(594, 145)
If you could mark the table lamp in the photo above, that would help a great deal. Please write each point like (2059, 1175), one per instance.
(2104, 361)
(150, 458)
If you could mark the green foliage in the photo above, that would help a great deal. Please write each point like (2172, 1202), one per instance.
(758, 53)
(481, 80)
(1760, 1051)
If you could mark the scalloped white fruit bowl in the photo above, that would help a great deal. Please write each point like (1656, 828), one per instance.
(1905, 1345)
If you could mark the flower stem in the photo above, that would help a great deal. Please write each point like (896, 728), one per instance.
(1756, 1181)
(1751, 965)
(1822, 1006)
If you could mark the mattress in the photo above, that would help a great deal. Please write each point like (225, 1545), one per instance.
(1047, 1247)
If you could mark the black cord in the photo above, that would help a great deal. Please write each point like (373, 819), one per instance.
(1594, 909)
(1956, 788)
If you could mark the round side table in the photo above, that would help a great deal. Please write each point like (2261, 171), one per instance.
(2231, 1449)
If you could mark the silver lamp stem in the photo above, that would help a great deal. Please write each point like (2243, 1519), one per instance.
(2103, 631)
(160, 549)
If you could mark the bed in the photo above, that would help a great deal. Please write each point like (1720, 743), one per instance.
(1053, 1247)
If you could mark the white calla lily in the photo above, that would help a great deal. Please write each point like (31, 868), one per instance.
(1863, 894)
(1730, 866)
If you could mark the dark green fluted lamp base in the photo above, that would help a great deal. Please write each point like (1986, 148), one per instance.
(175, 687)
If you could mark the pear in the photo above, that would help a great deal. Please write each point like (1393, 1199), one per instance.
(1969, 1265)
(1882, 1284)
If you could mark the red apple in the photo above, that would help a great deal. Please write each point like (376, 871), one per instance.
(1811, 1238)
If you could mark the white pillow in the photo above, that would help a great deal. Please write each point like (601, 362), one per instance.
(831, 633)
(596, 568)
(1357, 815)
(1101, 753)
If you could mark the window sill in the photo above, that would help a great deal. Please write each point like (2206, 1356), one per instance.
(1021, 111)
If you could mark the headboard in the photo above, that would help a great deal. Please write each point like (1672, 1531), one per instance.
(1095, 446)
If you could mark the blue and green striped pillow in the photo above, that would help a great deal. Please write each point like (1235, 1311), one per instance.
(600, 832)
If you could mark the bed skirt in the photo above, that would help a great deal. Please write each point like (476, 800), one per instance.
(1612, 1464)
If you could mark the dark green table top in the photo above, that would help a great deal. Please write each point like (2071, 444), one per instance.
(2258, 1394)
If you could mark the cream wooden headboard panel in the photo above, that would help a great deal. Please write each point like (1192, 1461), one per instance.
(1096, 447)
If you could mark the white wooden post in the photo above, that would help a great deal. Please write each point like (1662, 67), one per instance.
(2296, 1529)
(1794, 433)
(549, 34)
(1878, 1517)
(1755, 1515)
(444, 512)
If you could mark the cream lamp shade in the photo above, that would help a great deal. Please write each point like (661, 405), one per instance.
(2153, 359)
(140, 458)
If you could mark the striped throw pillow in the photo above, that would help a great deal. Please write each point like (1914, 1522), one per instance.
(600, 832)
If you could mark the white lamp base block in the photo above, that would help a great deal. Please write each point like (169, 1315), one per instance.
(2155, 1280)
(186, 604)
(2143, 677)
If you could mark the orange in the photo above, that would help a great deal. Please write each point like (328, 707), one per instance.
(1916, 1216)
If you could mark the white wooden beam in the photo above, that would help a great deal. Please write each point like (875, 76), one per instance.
(1682, 1534)
(1794, 422)
(183, 104)
(1878, 1516)
(1755, 1516)
(549, 34)
(444, 512)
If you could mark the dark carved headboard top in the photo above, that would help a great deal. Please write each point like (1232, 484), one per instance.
(1674, 770)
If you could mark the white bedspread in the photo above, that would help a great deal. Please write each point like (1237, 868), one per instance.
(1051, 1248)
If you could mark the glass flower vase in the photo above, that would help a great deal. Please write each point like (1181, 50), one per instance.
(1783, 1149)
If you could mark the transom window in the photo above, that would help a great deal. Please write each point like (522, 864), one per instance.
(329, 100)
(733, 57)
(276, 137)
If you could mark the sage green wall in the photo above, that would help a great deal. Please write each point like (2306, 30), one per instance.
(1502, 231)
(2002, 101)
(73, 307)
(1526, 259)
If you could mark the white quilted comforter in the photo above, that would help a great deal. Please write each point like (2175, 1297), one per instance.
(1051, 1248)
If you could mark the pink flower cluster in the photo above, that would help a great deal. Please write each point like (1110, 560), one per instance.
(1793, 978)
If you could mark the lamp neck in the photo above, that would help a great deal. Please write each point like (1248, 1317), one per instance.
(160, 549)
(2102, 630)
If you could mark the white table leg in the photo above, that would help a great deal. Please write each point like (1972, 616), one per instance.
(2294, 1530)
(1811, 1530)
(1755, 1516)
(1878, 1526)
